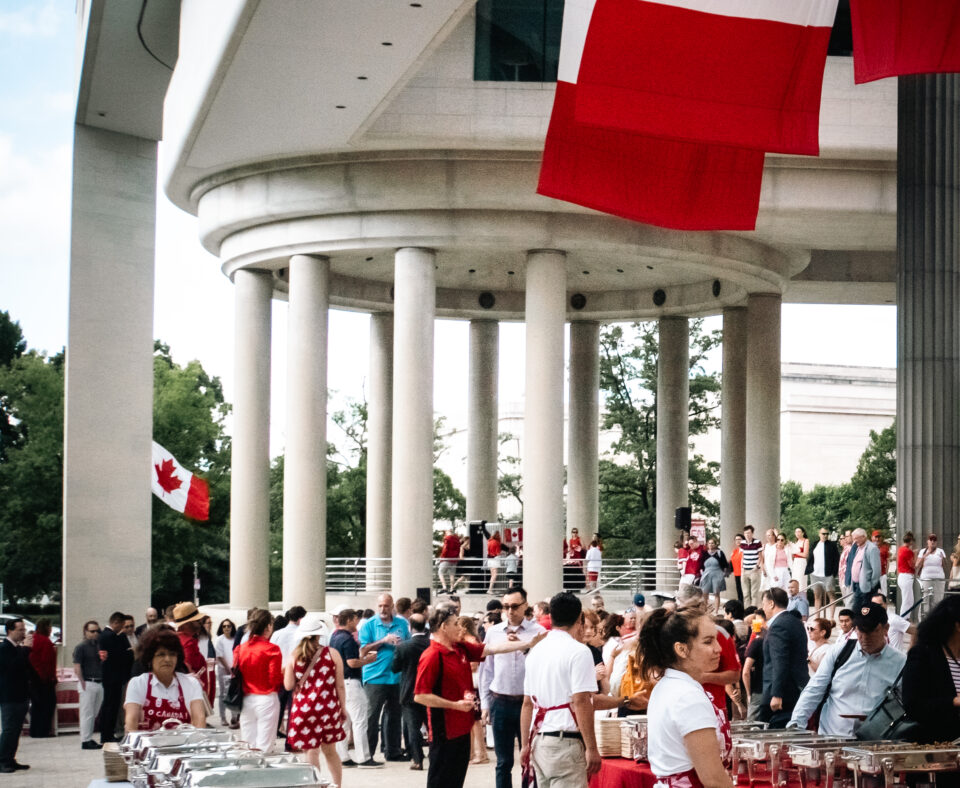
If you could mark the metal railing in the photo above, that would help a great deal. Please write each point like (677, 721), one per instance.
(358, 574)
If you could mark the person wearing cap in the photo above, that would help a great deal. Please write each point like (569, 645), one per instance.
(868, 667)
(930, 573)
(186, 618)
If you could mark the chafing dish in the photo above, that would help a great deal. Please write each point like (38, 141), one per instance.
(285, 775)
(768, 746)
(133, 744)
(822, 756)
(150, 759)
(891, 759)
(172, 771)
(746, 726)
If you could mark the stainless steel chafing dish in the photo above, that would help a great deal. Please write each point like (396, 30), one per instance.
(891, 759)
(287, 775)
(769, 746)
(135, 743)
(823, 756)
(746, 726)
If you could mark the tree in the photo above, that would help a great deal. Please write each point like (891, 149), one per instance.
(628, 380)
(31, 473)
(189, 412)
(873, 496)
(12, 346)
(509, 478)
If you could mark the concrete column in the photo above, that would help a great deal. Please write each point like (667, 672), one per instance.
(379, 452)
(763, 412)
(733, 426)
(109, 378)
(305, 461)
(928, 297)
(412, 501)
(673, 429)
(545, 309)
(482, 420)
(250, 482)
(583, 436)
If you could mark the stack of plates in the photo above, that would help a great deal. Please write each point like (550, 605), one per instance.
(114, 767)
(608, 737)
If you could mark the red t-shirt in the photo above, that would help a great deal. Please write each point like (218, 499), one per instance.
(455, 682)
(884, 558)
(906, 560)
(43, 657)
(259, 662)
(692, 565)
(493, 548)
(451, 547)
(728, 661)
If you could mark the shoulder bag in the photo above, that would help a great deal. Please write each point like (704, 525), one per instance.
(839, 662)
(233, 699)
(889, 719)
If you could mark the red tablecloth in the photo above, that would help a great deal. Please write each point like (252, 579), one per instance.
(623, 773)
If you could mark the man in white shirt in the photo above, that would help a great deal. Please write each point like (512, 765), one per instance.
(286, 638)
(899, 626)
(500, 679)
(560, 676)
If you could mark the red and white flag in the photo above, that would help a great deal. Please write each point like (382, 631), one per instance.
(746, 73)
(671, 183)
(893, 37)
(179, 488)
(512, 535)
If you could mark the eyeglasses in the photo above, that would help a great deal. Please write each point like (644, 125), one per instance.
(514, 607)
(824, 533)
(93, 630)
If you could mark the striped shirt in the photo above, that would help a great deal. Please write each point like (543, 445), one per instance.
(751, 555)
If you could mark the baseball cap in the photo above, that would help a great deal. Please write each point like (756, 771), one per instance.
(870, 616)
(639, 600)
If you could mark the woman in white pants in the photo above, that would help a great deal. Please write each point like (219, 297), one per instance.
(259, 662)
(906, 562)
(930, 573)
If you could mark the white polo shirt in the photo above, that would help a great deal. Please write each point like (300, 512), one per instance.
(137, 689)
(678, 706)
(557, 668)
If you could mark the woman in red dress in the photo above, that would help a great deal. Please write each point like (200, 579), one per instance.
(319, 701)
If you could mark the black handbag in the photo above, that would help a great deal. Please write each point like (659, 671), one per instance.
(889, 719)
(233, 699)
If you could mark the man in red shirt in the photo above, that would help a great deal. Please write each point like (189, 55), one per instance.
(445, 686)
(691, 567)
(447, 566)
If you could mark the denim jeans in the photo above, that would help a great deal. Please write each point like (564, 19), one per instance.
(12, 716)
(385, 698)
(505, 719)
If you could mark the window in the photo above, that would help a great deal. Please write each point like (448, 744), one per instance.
(518, 40)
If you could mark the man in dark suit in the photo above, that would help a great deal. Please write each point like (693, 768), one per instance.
(14, 692)
(785, 671)
(116, 673)
(406, 658)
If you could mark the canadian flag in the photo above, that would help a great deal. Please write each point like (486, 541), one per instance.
(179, 488)
(512, 535)
(667, 182)
(747, 73)
(892, 37)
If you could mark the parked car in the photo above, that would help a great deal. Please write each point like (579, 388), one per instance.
(5, 617)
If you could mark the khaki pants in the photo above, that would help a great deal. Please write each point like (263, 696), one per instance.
(559, 763)
(751, 587)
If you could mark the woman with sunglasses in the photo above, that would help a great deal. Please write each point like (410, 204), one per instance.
(782, 556)
(223, 649)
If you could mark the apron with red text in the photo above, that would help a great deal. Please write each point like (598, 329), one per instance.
(157, 711)
(528, 777)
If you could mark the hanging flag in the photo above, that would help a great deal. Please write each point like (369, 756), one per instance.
(179, 488)
(894, 37)
(746, 73)
(670, 183)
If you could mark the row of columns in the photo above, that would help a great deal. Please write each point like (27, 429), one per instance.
(400, 426)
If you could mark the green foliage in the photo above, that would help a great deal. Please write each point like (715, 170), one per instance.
(31, 472)
(867, 501)
(12, 346)
(628, 379)
(509, 478)
(188, 420)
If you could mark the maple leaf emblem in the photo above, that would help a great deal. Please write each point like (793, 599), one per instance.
(166, 477)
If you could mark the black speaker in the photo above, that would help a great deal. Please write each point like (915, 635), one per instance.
(424, 594)
(682, 518)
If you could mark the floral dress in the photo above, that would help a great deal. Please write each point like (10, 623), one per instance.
(315, 709)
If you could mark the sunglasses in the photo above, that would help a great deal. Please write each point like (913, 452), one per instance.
(93, 630)
(514, 607)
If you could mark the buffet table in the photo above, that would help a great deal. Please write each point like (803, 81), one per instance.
(624, 773)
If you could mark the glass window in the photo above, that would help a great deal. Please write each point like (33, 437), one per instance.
(518, 40)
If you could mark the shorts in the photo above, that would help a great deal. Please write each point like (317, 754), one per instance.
(592, 576)
(493, 562)
(448, 568)
(827, 581)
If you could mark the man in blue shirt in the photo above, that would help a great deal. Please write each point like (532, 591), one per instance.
(869, 668)
(796, 600)
(381, 634)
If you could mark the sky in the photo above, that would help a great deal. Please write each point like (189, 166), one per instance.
(193, 306)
